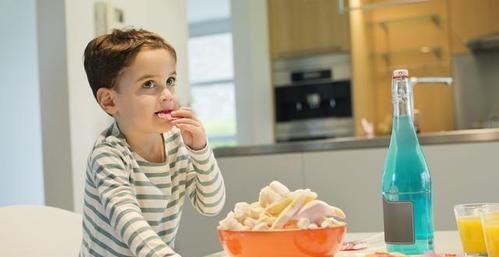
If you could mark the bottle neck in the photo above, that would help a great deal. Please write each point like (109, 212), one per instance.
(402, 98)
(403, 130)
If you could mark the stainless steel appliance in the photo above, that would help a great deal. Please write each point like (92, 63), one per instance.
(313, 98)
(476, 82)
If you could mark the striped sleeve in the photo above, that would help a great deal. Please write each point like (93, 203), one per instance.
(118, 199)
(205, 185)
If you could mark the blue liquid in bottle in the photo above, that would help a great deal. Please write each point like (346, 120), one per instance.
(406, 184)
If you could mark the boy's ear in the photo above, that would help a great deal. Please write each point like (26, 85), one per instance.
(105, 98)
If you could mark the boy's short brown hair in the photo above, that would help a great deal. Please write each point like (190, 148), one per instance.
(106, 55)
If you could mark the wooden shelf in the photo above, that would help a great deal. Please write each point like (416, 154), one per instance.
(433, 18)
(425, 50)
(380, 5)
(418, 67)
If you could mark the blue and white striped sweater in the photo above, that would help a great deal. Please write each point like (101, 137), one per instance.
(132, 207)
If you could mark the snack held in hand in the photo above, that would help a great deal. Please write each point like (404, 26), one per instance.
(279, 208)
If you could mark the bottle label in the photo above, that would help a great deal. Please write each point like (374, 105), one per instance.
(398, 222)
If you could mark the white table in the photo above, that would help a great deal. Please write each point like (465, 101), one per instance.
(445, 242)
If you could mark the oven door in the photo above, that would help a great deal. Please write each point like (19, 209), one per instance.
(313, 111)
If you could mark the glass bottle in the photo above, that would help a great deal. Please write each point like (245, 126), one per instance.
(406, 184)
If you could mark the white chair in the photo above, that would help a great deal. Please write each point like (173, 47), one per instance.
(39, 231)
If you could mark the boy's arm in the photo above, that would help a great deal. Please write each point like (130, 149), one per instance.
(121, 206)
(205, 185)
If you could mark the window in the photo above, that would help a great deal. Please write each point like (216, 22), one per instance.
(212, 86)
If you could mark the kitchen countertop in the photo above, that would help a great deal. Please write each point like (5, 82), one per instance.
(447, 137)
(445, 242)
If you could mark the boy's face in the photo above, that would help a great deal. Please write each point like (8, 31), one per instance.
(145, 92)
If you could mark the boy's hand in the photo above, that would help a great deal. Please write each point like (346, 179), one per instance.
(191, 128)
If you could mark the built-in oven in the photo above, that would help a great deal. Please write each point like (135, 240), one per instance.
(313, 103)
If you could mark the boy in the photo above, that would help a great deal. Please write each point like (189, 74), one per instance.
(154, 154)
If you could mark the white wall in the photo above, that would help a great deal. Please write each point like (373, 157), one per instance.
(64, 152)
(49, 116)
(202, 10)
(254, 102)
(53, 81)
(167, 18)
(20, 126)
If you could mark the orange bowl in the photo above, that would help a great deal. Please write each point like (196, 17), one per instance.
(321, 242)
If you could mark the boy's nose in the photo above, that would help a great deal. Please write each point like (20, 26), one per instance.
(166, 95)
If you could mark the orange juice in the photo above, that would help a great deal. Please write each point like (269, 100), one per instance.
(470, 230)
(491, 233)
(492, 239)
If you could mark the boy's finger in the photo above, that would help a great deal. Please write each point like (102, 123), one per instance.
(190, 128)
(183, 113)
(186, 121)
(185, 109)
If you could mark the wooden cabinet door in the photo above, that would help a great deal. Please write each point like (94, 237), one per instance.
(279, 15)
(471, 19)
(301, 27)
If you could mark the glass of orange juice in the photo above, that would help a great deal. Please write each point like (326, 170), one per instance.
(470, 228)
(490, 225)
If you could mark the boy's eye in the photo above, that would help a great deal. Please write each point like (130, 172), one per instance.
(149, 84)
(171, 81)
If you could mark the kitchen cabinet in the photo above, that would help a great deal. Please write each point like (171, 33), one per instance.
(339, 178)
(412, 36)
(471, 19)
(349, 179)
(304, 27)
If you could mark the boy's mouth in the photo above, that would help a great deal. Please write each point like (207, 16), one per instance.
(165, 114)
